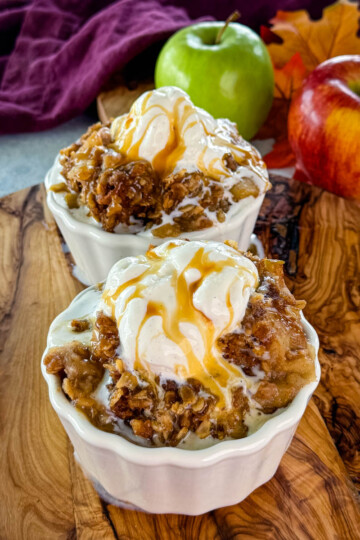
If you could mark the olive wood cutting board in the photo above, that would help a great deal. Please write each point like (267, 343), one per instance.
(45, 495)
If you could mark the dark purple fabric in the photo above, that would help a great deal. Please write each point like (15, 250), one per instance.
(55, 55)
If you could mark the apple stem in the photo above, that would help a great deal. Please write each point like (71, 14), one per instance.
(231, 18)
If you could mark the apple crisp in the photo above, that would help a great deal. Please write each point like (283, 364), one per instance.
(117, 190)
(164, 169)
(269, 345)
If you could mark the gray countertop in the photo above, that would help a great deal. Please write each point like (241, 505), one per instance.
(26, 157)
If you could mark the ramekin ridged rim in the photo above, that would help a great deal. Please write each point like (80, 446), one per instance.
(178, 456)
(114, 239)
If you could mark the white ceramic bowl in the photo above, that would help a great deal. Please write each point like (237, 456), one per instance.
(95, 251)
(174, 480)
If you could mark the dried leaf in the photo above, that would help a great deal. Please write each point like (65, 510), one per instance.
(280, 156)
(268, 36)
(297, 45)
(275, 126)
(316, 41)
(290, 77)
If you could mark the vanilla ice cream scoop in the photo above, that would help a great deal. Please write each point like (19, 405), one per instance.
(172, 304)
(165, 128)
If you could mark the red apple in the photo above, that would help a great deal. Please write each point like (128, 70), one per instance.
(324, 127)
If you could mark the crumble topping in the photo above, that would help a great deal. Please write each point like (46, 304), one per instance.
(116, 191)
(80, 325)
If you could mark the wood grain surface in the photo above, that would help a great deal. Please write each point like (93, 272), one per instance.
(44, 494)
(318, 235)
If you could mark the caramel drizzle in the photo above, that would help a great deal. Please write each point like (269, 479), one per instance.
(213, 371)
(165, 161)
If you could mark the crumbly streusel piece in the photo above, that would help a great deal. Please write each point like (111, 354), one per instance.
(80, 371)
(272, 340)
(115, 191)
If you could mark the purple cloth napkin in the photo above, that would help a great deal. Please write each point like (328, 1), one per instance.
(55, 55)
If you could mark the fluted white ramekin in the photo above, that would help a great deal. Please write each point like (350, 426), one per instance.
(95, 251)
(174, 480)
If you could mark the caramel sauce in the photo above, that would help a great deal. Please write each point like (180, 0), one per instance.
(213, 371)
(165, 161)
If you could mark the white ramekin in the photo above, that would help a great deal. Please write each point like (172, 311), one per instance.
(95, 251)
(173, 480)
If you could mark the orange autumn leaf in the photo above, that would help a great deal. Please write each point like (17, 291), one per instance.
(280, 156)
(275, 126)
(334, 34)
(290, 77)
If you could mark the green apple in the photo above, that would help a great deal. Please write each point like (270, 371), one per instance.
(231, 79)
